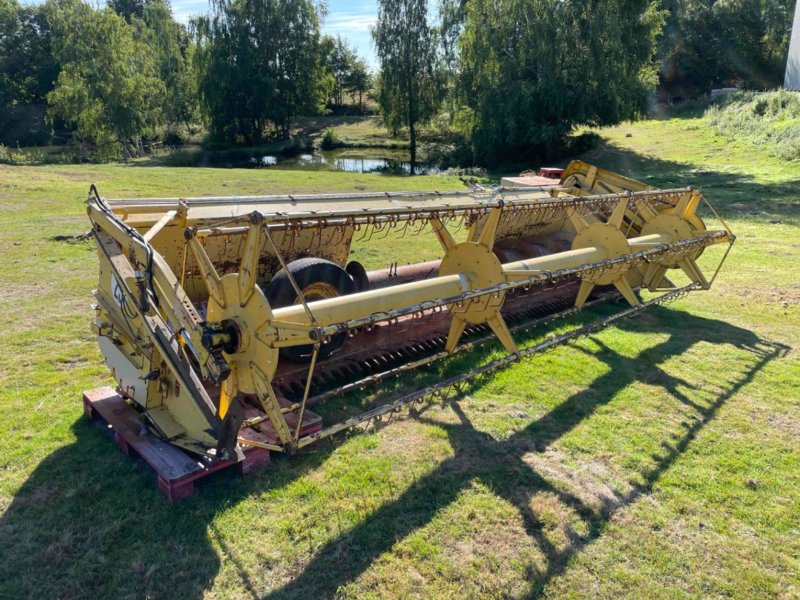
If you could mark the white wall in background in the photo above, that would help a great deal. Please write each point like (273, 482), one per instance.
(792, 80)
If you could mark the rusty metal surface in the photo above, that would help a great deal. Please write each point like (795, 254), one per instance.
(390, 343)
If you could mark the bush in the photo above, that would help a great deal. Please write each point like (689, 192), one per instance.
(770, 119)
(297, 146)
(330, 140)
(173, 137)
(24, 126)
(28, 156)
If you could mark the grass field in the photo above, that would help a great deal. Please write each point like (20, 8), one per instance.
(656, 459)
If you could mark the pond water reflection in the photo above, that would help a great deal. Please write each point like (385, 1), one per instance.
(390, 162)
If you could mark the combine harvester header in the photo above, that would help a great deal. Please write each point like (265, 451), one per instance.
(223, 320)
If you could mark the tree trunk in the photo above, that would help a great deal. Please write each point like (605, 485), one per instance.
(412, 131)
(126, 152)
(412, 135)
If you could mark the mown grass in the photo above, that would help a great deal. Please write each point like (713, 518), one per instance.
(355, 131)
(658, 458)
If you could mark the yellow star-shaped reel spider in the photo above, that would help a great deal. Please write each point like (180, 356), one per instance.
(609, 238)
(659, 228)
(474, 260)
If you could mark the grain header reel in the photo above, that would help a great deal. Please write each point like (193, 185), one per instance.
(225, 320)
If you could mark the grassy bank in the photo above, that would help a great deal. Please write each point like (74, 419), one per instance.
(770, 120)
(658, 458)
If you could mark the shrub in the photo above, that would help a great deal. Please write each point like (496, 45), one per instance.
(330, 140)
(770, 119)
(297, 146)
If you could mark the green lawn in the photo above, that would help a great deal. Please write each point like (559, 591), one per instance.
(659, 458)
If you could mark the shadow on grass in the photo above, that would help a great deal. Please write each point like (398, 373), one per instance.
(87, 523)
(500, 465)
(90, 523)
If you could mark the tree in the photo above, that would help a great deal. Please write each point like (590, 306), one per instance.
(338, 59)
(348, 71)
(712, 43)
(755, 40)
(258, 63)
(410, 89)
(128, 9)
(27, 66)
(533, 70)
(170, 42)
(357, 81)
(452, 14)
(173, 53)
(108, 86)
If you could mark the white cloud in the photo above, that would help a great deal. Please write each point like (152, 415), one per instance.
(349, 23)
(185, 9)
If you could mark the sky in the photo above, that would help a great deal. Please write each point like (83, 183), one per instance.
(351, 19)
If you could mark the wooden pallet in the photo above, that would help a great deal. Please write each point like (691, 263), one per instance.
(175, 469)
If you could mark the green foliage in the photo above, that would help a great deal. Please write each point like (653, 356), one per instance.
(258, 65)
(329, 140)
(532, 71)
(358, 81)
(452, 14)
(27, 66)
(129, 9)
(108, 87)
(30, 156)
(711, 43)
(172, 46)
(768, 119)
(348, 72)
(410, 84)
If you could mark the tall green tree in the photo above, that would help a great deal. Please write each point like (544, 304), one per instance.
(338, 59)
(533, 70)
(258, 64)
(358, 81)
(109, 85)
(172, 46)
(348, 71)
(27, 66)
(452, 14)
(410, 86)
(128, 9)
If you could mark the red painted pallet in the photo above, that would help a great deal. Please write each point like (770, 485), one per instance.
(176, 470)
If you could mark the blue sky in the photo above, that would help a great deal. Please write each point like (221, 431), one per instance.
(350, 18)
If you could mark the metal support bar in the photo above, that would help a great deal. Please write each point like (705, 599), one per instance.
(292, 314)
(489, 367)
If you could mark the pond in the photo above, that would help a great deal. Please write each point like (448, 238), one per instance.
(349, 160)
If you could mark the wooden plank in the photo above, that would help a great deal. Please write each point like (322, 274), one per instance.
(253, 457)
(167, 460)
(177, 470)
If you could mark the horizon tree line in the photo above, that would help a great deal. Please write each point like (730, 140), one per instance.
(507, 78)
